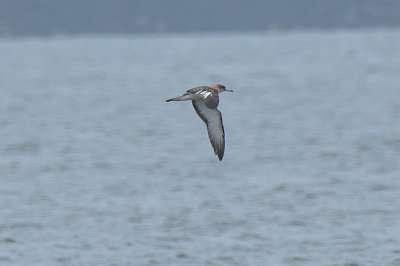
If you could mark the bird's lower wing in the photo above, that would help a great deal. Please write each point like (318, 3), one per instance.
(215, 127)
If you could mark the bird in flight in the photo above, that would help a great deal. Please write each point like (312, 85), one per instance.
(205, 102)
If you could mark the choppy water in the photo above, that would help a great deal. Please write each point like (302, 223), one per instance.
(96, 169)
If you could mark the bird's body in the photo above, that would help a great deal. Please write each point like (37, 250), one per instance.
(205, 102)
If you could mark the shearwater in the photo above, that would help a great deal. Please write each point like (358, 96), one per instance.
(205, 101)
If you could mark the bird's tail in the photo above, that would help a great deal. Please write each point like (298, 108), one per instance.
(172, 99)
(179, 98)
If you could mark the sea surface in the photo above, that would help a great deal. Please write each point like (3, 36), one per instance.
(97, 169)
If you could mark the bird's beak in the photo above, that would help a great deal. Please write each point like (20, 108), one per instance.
(229, 90)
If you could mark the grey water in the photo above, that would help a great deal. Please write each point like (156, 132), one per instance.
(97, 169)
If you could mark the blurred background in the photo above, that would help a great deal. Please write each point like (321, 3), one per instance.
(46, 17)
(97, 169)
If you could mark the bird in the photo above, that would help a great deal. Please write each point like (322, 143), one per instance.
(205, 102)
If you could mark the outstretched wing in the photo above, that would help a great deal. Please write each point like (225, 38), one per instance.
(209, 95)
(211, 99)
(215, 128)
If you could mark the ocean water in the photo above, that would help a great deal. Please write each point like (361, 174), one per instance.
(97, 169)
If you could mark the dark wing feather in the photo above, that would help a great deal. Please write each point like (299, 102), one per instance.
(215, 127)
(211, 101)
(210, 95)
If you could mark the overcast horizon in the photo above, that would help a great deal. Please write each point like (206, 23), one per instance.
(44, 17)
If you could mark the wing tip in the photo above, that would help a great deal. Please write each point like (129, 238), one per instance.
(220, 154)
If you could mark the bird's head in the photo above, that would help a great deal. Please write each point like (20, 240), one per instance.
(220, 88)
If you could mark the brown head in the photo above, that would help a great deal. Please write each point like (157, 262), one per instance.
(219, 87)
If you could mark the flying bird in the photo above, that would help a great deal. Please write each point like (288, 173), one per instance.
(205, 101)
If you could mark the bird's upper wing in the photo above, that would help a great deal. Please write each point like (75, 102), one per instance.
(215, 128)
(209, 95)
(211, 99)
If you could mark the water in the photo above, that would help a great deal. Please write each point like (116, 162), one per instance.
(96, 169)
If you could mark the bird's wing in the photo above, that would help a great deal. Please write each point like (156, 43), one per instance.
(209, 95)
(211, 99)
(215, 128)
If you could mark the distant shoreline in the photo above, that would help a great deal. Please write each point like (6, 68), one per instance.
(203, 33)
